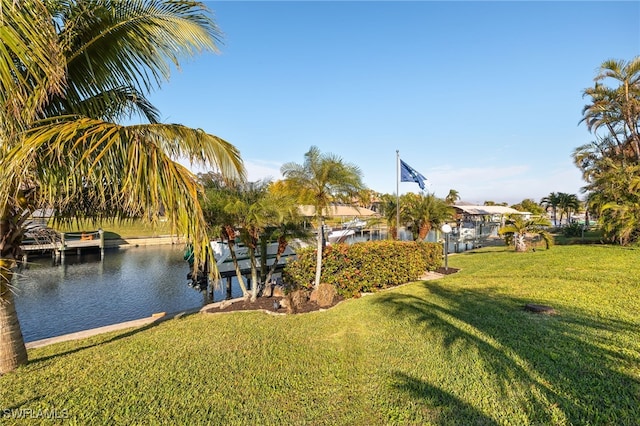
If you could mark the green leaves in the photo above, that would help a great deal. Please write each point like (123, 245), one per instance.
(610, 163)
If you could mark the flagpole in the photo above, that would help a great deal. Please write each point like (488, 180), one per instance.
(397, 194)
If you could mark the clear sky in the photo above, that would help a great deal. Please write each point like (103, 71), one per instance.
(481, 97)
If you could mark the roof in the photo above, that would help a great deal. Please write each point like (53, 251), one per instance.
(346, 211)
(488, 210)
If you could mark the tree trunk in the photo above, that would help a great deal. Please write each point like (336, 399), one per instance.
(316, 282)
(243, 287)
(424, 231)
(254, 273)
(282, 246)
(12, 350)
(393, 231)
(263, 260)
(521, 245)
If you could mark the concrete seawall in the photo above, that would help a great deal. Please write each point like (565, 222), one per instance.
(139, 242)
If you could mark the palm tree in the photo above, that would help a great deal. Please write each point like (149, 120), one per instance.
(517, 228)
(69, 71)
(254, 212)
(219, 195)
(452, 197)
(388, 210)
(568, 203)
(616, 109)
(289, 226)
(609, 164)
(423, 212)
(551, 201)
(320, 181)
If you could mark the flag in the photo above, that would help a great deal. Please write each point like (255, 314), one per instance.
(408, 174)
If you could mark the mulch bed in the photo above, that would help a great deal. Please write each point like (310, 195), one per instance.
(449, 271)
(272, 304)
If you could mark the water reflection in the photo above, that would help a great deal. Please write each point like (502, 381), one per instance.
(85, 292)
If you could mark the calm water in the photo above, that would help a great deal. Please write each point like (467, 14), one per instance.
(86, 293)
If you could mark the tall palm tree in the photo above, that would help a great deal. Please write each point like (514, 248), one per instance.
(610, 164)
(616, 109)
(517, 228)
(452, 197)
(69, 71)
(320, 181)
(551, 201)
(568, 203)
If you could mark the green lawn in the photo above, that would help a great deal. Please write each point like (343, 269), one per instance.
(459, 350)
(113, 230)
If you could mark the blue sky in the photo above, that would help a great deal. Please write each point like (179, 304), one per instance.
(481, 97)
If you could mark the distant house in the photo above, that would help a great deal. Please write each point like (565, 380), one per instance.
(344, 213)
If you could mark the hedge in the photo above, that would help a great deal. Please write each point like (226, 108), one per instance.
(364, 267)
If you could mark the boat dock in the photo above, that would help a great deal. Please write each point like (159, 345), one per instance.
(64, 242)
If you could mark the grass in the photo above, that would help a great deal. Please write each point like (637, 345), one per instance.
(458, 350)
(114, 230)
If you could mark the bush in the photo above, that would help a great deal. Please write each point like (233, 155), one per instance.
(365, 267)
(573, 230)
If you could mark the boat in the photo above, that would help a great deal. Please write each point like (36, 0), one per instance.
(224, 261)
(340, 235)
(355, 224)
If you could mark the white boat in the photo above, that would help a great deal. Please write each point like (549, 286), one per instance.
(340, 236)
(224, 260)
(355, 224)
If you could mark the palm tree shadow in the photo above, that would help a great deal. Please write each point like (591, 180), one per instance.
(91, 343)
(21, 404)
(543, 354)
(441, 407)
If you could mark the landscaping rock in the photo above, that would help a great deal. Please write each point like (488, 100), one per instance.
(324, 295)
(284, 303)
(278, 291)
(296, 300)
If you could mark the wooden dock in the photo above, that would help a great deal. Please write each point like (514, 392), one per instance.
(68, 241)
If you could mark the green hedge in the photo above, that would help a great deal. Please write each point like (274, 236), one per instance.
(365, 267)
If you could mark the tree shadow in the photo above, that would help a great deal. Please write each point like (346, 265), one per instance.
(442, 407)
(92, 343)
(18, 405)
(569, 362)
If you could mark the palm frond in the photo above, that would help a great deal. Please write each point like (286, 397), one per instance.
(121, 170)
(132, 45)
(31, 62)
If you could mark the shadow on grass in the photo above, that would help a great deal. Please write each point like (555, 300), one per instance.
(95, 341)
(443, 407)
(568, 366)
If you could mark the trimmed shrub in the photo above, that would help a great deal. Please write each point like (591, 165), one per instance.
(365, 267)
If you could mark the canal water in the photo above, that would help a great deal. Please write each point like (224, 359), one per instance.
(86, 292)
